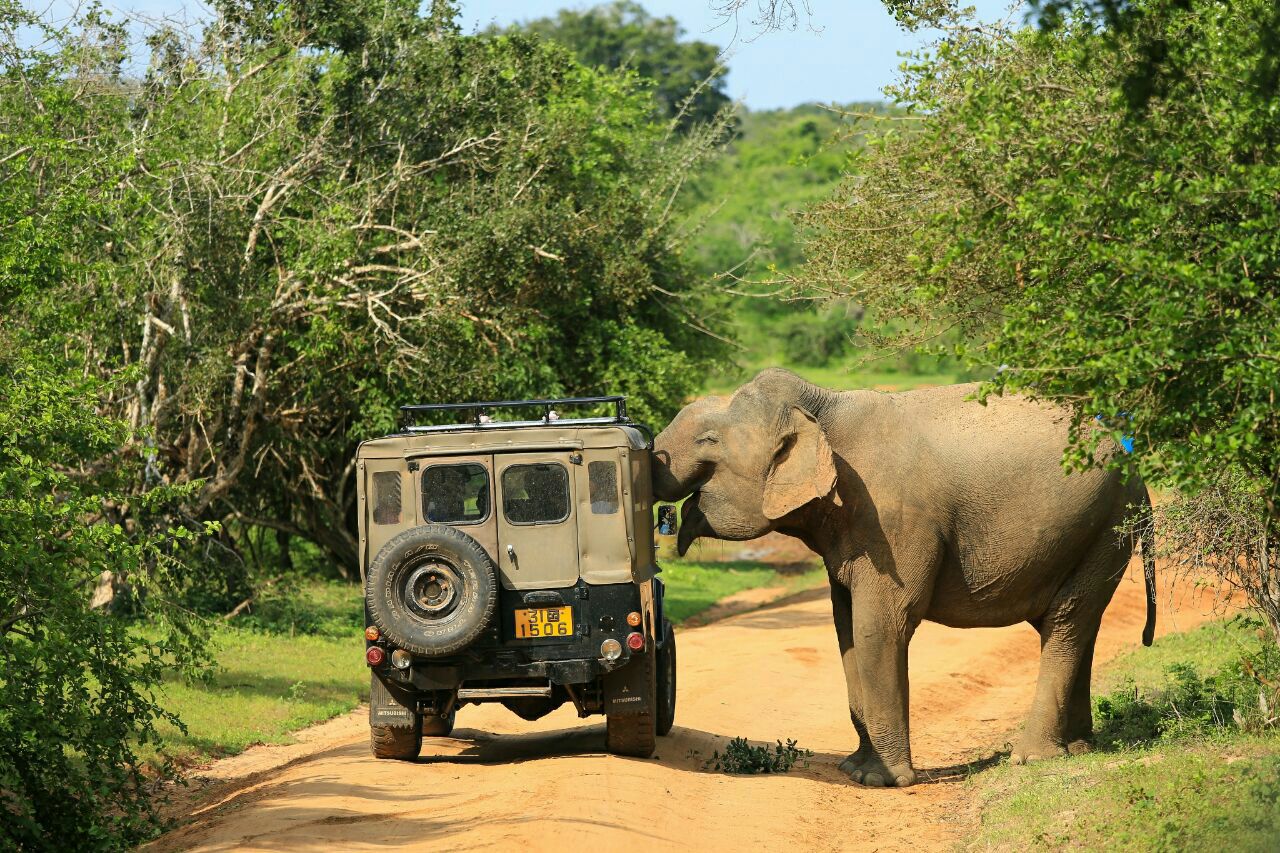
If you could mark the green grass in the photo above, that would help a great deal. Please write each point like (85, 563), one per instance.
(839, 378)
(266, 686)
(692, 587)
(297, 659)
(1219, 790)
(293, 662)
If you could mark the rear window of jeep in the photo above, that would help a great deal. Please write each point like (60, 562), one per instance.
(455, 494)
(535, 494)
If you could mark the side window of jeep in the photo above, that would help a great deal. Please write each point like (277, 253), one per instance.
(455, 494)
(386, 497)
(535, 494)
(603, 479)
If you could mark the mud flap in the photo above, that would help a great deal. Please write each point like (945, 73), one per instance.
(629, 689)
(386, 710)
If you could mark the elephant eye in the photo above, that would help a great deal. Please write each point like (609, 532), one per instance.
(707, 438)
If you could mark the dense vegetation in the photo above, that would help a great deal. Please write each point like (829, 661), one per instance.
(77, 686)
(220, 275)
(305, 224)
(684, 76)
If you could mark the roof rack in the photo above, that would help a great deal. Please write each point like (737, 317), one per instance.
(479, 410)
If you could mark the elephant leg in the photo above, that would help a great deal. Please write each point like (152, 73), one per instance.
(842, 610)
(1060, 715)
(880, 650)
(1079, 731)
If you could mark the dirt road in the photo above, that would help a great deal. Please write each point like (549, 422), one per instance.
(502, 783)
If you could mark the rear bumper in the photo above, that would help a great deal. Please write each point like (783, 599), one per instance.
(431, 677)
(599, 613)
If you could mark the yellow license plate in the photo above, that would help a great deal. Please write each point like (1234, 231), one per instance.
(544, 622)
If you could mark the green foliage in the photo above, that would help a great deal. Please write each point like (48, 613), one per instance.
(740, 756)
(1243, 693)
(1155, 69)
(1121, 263)
(694, 586)
(780, 161)
(306, 220)
(78, 688)
(686, 78)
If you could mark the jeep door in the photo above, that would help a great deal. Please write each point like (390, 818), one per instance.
(458, 491)
(537, 536)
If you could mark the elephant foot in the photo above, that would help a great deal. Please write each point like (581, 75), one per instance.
(874, 773)
(1079, 746)
(1035, 749)
(854, 760)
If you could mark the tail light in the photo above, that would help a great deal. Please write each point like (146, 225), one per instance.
(611, 649)
(374, 655)
(633, 619)
(635, 641)
(371, 633)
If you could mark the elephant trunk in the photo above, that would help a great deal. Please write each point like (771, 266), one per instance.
(692, 525)
(676, 470)
(667, 484)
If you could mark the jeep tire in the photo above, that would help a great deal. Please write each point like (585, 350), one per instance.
(635, 734)
(397, 743)
(665, 701)
(432, 590)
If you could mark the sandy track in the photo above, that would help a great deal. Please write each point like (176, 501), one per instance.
(502, 783)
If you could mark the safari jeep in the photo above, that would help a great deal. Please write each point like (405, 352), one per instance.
(512, 561)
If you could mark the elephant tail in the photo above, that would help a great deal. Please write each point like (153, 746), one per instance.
(1147, 548)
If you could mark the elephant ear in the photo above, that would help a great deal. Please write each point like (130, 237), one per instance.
(802, 468)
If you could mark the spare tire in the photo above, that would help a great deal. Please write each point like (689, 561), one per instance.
(432, 590)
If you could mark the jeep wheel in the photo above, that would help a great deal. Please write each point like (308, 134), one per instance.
(635, 734)
(432, 590)
(401, 744)
(437, 726)
(666, 698)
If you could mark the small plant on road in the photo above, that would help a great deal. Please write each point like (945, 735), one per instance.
(741, 757)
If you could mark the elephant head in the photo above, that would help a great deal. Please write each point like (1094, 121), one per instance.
(745, 462)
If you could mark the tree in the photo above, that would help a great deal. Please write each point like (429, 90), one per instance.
(323, 213)
(77, 684)
(623, 35)
(1127, 264)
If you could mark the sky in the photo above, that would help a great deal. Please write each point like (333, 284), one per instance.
(847, 50)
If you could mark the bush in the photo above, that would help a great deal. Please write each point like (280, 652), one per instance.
(77, 685)
(1244, 696)
(1225, 530)
(1111, 260)
(740, 756)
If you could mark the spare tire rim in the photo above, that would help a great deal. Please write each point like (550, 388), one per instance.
(431, 591)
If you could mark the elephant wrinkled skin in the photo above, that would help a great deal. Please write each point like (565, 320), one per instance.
(923, 505)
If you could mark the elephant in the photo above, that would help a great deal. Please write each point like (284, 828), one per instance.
(923, 505)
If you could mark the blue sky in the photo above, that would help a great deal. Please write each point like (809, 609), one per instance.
(847, 51)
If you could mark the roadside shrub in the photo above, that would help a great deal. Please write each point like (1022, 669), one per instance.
(1244, 696)
(78, 685)
(741, 757)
